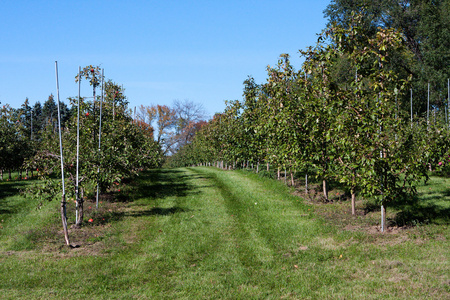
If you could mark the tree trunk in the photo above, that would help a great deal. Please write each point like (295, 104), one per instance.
(278, 174)
(292, 179)
(325, 189)
(268, 167)
(353, 191)
(353, 201)
(80, 202)
(1, 174)
(383, 217)
(64, 219)
(306, 184)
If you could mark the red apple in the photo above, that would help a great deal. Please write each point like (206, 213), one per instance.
(87, 114)
(92, 70)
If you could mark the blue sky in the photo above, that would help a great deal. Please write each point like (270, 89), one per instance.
(159, 51)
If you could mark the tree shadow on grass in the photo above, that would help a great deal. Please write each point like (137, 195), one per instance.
(159, 211)
(163, 183)
(155, 211)
(9, 189)
(424, 210)
(153, 185)
(415, 211)
(423, 214)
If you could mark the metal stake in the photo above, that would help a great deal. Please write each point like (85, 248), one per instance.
(77, 196)
(411, 108)
(99, 138)
(428, 107)
(63, 200)
(31, 133)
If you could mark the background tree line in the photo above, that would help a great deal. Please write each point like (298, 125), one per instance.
(425, 29)
(29, 129)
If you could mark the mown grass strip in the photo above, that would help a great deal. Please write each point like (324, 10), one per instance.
(206, 233)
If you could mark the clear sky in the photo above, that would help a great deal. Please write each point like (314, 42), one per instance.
(158, 50)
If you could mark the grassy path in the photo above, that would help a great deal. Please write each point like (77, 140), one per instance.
(205, 233)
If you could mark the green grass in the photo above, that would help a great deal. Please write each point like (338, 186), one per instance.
(206, 233)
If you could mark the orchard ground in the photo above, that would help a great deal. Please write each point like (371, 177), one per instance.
(207, 233)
